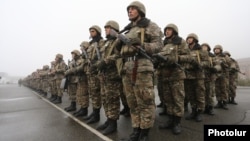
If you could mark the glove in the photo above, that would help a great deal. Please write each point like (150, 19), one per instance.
(101, 65)
(160, 57)
(67, 72)
(135, 41)
(213, 70)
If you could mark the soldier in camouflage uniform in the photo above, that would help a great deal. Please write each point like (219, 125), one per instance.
(82, 95)
(233, 78)
(44, 77)
(221, 64)
(52, 82)
(137, 71)
(172, 77)
(93, 53)
(72, 83)
(210, 76)
(194, 83)
(111, 82)
(59, 70)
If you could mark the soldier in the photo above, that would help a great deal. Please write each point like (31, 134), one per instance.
(82, 95)
(44, 79)
(137, 71)
(194, 83)
(110, 80)
(210, 76)
(72, 82)
(93, 53)
(172, 77)
(59, 70)
(233, 78)
(221, 66)
(52, 82)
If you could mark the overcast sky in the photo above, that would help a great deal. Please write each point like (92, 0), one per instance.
(32, 32)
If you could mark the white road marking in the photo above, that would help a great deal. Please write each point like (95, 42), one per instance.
(105, 138)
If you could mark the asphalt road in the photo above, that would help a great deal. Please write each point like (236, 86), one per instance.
(26, 116)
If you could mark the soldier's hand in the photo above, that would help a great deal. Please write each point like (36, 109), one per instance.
(135, 41)
(101, 65)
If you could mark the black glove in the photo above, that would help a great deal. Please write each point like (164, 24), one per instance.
(101, 65)
(159, 57)
(213, 70)
(135, 41)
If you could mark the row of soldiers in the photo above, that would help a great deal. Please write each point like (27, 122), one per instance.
(124, 66)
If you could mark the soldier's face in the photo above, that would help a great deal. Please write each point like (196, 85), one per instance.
(133, 13)
(216, 51)
(190, 40)
(169, 32)
(205, 48)
(107, 30)
(92, 32)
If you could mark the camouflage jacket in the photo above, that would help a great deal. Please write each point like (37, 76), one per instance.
(173, 50)
(148, 36)
(60, 68)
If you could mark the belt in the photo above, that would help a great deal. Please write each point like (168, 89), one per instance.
(132, 58)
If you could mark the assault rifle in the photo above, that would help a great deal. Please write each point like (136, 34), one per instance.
(160, 57)
(127, 41)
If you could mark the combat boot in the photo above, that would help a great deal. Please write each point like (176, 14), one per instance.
(72, 107)
(103, 126)
(185, 106)
(81, 112)
(176, 127)
(224, 105)
(144, 134)
(192, 115)
(218, 105)
(95, 117)
(135, 135)
(169, 124)
(210, 110)
(112, 127)
(58, 100)
(160, 105)
(198, 117)
(233, 101)
(53, 98)
(164, 111)
(125, 111)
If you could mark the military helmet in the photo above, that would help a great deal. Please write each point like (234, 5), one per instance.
(193, 35)
(138, 5)
(219, 47)
(84, 44)
(97, 28)
(59, 56)
(112, 24)
(173, 26)
(206, 44)
(227, 53)
(45, 67)
(76, 52)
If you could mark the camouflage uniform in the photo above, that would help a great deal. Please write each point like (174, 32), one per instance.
(221, 64)
(172, 77)
(82, 95)
(137, 71)
(44, 79)
(72, 83)
(110, 80)
(194, 83)
(52, 82)
(60, 68)
(233, 78)
(94, 89)
(210, 77)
